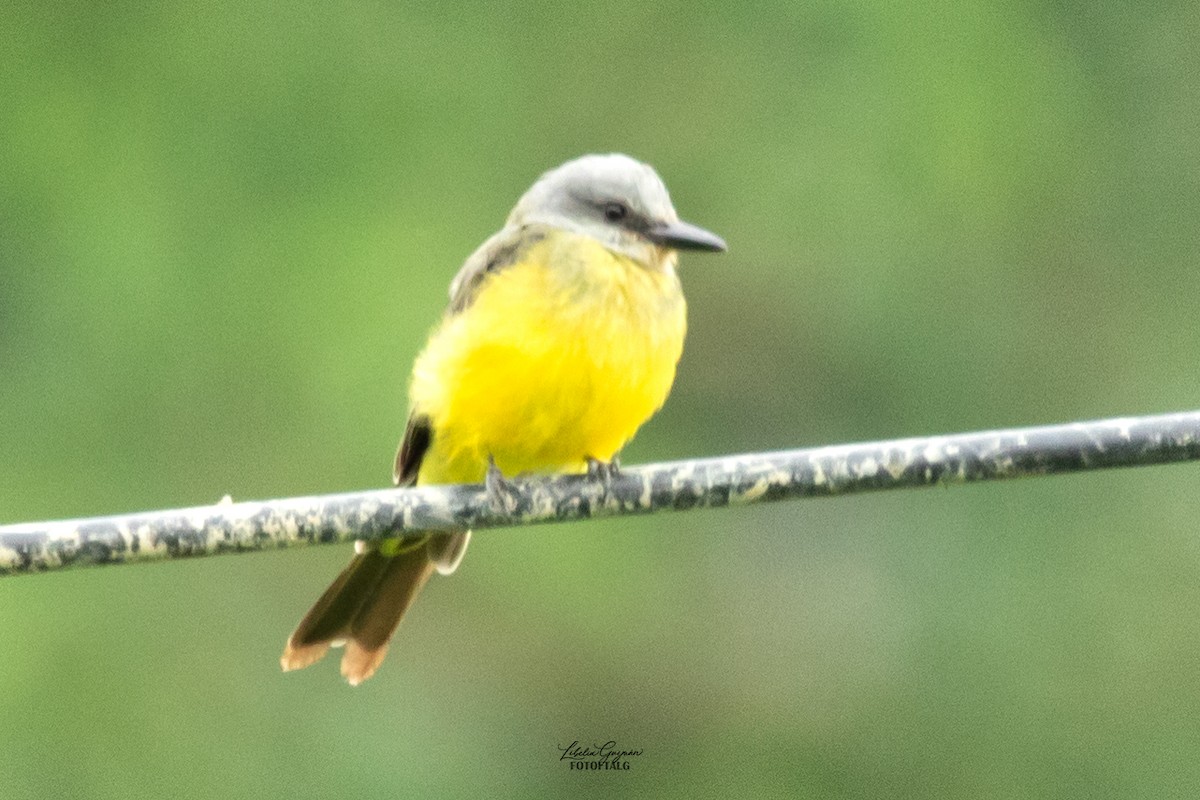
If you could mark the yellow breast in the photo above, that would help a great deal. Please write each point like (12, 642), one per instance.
(560, 357)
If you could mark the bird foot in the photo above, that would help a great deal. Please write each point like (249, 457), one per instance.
(603, 471)
(502, 494)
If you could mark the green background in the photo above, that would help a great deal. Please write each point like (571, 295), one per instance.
(225, 231)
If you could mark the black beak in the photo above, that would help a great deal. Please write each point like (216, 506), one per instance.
(685, 236)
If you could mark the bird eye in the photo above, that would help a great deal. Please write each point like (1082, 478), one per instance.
(615, 212)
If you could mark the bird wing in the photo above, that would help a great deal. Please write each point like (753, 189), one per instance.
(417, 437)
(503, 249)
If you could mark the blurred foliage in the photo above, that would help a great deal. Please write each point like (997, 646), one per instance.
(225, 229)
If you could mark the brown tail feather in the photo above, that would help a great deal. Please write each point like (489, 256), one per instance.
(362, 607)
(377, 620)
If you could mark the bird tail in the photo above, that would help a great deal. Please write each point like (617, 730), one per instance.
(365, 603)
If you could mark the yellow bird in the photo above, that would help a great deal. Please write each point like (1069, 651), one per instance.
(561, 339)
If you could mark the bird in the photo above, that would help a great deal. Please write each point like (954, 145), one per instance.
(561, 338)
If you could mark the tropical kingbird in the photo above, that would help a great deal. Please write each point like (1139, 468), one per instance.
(561, 339)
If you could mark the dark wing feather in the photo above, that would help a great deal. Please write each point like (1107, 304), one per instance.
(417, 438)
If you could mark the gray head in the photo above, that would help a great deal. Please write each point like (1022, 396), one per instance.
(616, 200)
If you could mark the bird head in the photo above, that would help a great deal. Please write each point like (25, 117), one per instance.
(617, 200)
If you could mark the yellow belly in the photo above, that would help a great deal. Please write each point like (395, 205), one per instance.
(551, 364)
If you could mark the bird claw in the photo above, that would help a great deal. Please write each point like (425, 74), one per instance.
(603, 471)
(502, 494)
